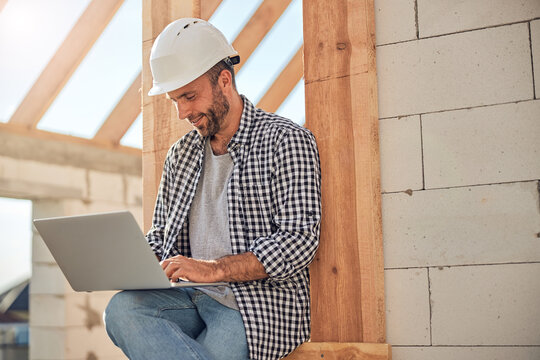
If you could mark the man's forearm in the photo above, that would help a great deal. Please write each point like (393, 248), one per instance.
(233, 268)
(240, 267)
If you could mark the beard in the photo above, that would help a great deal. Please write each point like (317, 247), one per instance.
(215, 114)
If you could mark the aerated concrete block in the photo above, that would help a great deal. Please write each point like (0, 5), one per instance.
(106, 186)
(48, 279)
(482, 146)
(394, 21)
(70, 309)
(82, 343)
(48, 310)
(407, 306)
(535, 44)
(401, 154)
(41, 180)
(437, 17)
(486, 305)
(47, 343)
(134, 190)
(71, 343)
(482, 67)
(461, 226)
(465, 353)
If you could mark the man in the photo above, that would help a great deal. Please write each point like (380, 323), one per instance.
(239, 202)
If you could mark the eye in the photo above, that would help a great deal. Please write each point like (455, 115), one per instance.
(190, 97)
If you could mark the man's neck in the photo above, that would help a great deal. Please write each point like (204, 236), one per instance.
(231, 124)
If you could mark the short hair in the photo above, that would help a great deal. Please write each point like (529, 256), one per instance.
(215, 71)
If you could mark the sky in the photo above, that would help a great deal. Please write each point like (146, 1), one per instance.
(102, 78)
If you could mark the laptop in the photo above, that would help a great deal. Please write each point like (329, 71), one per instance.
(105, 251)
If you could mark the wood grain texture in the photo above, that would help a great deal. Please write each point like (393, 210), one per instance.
(341, 111)
(67, 139)
(284, 84)
(208, 7)
(2, 4)
(161, 127)
(123, 115)
(257, 27)
(65, 61)
(341, 351)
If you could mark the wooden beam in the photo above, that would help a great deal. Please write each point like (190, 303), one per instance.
(341, 111)
(123, 115)
(284, 84)
(2, 4)
(208, 7)
(161, 128)
(257, 27)
(64, 63)
(339, 351)
(47, 135)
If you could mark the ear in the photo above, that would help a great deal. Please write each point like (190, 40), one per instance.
(225, 80)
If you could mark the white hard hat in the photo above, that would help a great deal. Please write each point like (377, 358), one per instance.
(185, 50)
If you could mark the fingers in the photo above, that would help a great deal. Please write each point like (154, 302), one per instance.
(177, 275)
(170, 268)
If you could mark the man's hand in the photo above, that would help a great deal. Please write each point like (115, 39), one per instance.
(181, 267)
(234, 268)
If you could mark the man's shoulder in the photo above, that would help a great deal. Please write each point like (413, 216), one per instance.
(268, 124)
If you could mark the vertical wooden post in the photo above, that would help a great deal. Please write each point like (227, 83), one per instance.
(161, 128)
(347, 276)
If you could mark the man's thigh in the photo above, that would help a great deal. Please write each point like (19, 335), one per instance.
(174, 305)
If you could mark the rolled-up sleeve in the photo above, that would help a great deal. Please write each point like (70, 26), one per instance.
(296, 207)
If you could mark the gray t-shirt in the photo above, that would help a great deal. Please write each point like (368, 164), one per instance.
(209, 218)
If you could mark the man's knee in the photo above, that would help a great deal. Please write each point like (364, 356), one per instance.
(118, 308)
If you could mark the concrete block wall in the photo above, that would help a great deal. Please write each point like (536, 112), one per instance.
(65, 324)
(459, 109)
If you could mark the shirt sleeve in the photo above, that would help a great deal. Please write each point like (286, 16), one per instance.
(155, 235)
(296, 207)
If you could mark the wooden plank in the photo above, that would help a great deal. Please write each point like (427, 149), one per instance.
(284, 84)
(68, 139)
(69, 153)
(123, 115)
(341, 110)
(208, 7)
(2, 4)
(339, 351)
(172, 10)
(257, 27)
(65, 61)
(161, 128)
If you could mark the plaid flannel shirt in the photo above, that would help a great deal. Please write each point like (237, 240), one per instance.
(274, 205)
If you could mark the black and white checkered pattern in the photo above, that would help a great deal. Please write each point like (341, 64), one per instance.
(274, 204)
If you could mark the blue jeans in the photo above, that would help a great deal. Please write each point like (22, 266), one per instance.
(174, 324)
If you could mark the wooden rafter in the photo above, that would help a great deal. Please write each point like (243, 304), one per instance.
(208, 7)
(257, 27)
(68, 139)
(64, 63)
(2, 4)
(123, 115)
(284, 83)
